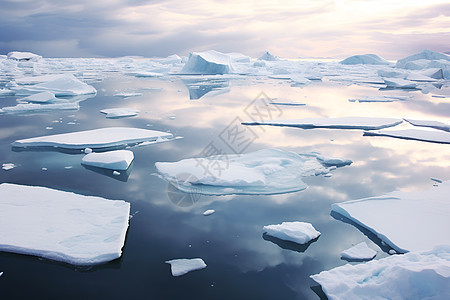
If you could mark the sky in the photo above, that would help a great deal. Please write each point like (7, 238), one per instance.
(392, 29)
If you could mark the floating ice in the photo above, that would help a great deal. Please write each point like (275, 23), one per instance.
(289, 103)
(427, 60)
(239, 57)
(268, 171)
(399, 83)
(366, 59)
(333, 161)
(23, 108)
(384, 98)
(182, 266)
(23, 56)
(208, 63)
(409, 276)
(6, 92)
(61, 226)
(96, 138)
(8, 166)
(145, 74)
(431, 124)
(43, 97)
(424, 55)
(433, 136)
(333, 123)
(297, 232)
(127, 94)
(414, 221)
(114, 160)
(120, 112)
(359, 252)
(267, 56)
(208, 212)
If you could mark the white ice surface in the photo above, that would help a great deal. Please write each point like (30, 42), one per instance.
(267, 56)
(23, 56)
(431, 124)
(359, 252)
(43, 97)
(424, 55)
(127, 94)
(208, 63)
(61, 226)
(24, 108)
(297, 232)
(182, 266)
(208, 212)
(414, 221)
(96, 138)
(120, 112)
(399, 83)
(365, 123)
(413, 276)
(434, 136)
(365, 59)
(114, 160)
(8, 166)
(384, 98)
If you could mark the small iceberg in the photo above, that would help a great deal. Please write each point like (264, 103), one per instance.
(267, 56)
(43, 97)
(208, 63)
(365, 59)
(359, 252)
(120, 112)
(23, 56)
(297, 232)
(432, 136)
(182, 266)
(8, 166)
(114, 160)
(398, 83)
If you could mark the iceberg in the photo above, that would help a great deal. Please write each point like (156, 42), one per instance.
(398, 83)
(23, 56)
(267, 171)
(102, 138)
(182, 266)
(432, 136)
(267, 56)
(365, 59)
(61, 226)
(127, 94)
(406, 221)
(364, 123)
(120, 112)
(239, 57)
(431, 124)
(427, 60)
(23, 108)
(114, 160)
(208, 63)
(297, 232)
(409, 276)
(359, 252)
(424, 55)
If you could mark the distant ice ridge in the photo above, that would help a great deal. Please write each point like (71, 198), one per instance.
(208, 63)
(23, 56)
(96, 138)
(297, 232)
(61, 226)
(114, 160)
(366, 59)
(183, 266)
(414, 221)
(268, 171)
(359, 252)
(426, 60)
(414, 276)
(267, 56)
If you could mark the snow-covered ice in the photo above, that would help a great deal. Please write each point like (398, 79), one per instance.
(267, 56)
(366, 59)
(399, 83)
(384, 98)
(433, 136)
(364, 123)
(208, 212)
(406, 221)
(23, 56)
(96, 138)
(127, 94)
(61, 226)
(359, 252)
(431, 124)
(182, 266)
(297, 232)
(208, 63)
(8, 166)
(267, 171)
(43, 97)
(409, 276)
(333, 161)
(114, 160)
(120, 112)
(24, 108)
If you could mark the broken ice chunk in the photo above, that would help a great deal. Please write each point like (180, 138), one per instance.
(120, 112)
(359, 252)
(8, 166)
(43, 97)
(114, 160)
(399, 83)
(23, 56)
(209, 212)
(297, 232)
(431, 124)
(182, 266)
(208, 63)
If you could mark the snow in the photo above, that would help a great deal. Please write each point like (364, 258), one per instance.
(267, 56)
(23, 56)
(8, 166)
(267, 171)
(359, 252)
(208, 63)
(43, 97)
(96, 138)
(406, 221)
(208, 212)
(297, 232)
(365, 123)
(115, 160)
(433, 136)
(6, 92)
(410, 276)
(366, 59)
(431, 124)
(61, 226)
(120, 112)
(182, 266)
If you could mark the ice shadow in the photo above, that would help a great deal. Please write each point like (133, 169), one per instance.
(288, 245)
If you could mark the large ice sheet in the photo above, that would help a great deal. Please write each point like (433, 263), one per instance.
(406, 221)
(208, 63)
(114, 160)
(409, 276)
(61, 226)
(24, 108)
(268, 171)
(297, 232)
(182, 266)
(365, 123)
(365, 59)
(96, 138)
(433, 136)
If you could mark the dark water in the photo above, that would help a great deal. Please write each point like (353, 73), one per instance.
(242, 262)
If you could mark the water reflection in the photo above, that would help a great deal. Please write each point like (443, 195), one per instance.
(200, 87)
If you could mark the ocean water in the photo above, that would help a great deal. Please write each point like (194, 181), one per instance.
(243, 263)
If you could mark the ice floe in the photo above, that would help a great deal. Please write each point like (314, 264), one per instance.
(297, 232)
(120, 112)
(366, 59)
(23, 56)
(399, 83)
(431, 124)
(364, 123)
(24, 108)
(43, 97)
(96, 139)
(127, 94)
(406, 221)
(432, 136)
(359, 252)
(8, 166)
(384, 98)
(268, 171)
(182, 266)
(61, 226)
(208, 212)
(409, 276)
(208, 63)
(114, 160)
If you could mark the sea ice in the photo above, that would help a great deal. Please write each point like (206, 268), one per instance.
(384, 98)
(96, 138)
(399, 83)
(409, 276)
(182, 266)
(406, 221)
(431, 124)
(359, 252)
(43, 97)
(23, 108)
(268, 171)
(267, 56)
(333, 161)
(366, 59)
(297, 232)
(23, 56)
(208, 212)
(114, 160)
(61, 226)
(127, 94)
(238, 57)
(433, 136)
(8, 166)
(208, 63)
(120, 112)
(333, 123)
